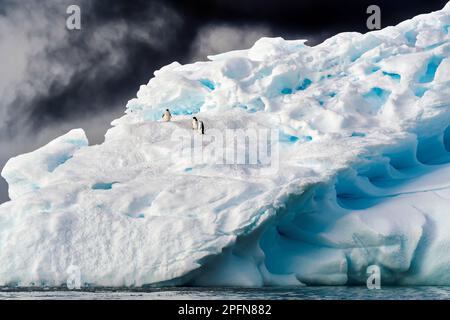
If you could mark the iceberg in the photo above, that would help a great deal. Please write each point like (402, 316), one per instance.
(359, 176)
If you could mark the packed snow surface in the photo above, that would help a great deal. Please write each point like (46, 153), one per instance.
(360, 174)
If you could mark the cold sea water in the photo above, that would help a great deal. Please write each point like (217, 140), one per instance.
(302, 293)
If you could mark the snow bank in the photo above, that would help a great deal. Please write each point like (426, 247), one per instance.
(28, 172)
(361, 176)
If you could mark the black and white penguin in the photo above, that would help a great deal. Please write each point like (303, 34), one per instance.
(194, 123)
(201, 127)
(167, 116)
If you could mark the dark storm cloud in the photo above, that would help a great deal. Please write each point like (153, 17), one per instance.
(296, 18)
(93, 65)
(53, 80)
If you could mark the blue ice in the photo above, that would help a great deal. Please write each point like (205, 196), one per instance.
(394, 76)
(305, 85)
(287, 138)
(103, 186)
(411, 37)
(57, 161)
(420, 91)
(431, 69)
(377, 96)
(208, 83)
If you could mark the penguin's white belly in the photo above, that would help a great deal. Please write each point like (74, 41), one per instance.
(166, 117)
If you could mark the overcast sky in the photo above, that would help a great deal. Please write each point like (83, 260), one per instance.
(53, 80)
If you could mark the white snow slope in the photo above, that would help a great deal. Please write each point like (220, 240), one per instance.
(363, 175)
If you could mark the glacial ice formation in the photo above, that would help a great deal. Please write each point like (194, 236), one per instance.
(363, 173)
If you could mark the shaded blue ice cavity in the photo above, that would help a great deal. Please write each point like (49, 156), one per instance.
(245, 107)
(358, 134)
(208, 83)
(187, 103)
(264, 73)
(188, 170)
(103, 186)
(394, 76)
(286, 91)
(136, 216)
(328, 76)
(376, 93)
(256, 105)
(58, 160)
(411, 37)
(253, 106)
(447, 139)
(305, 85)
(374, 69)
(287, 138)
(138, 206)
(431, 69)
(420, 91)
(377, 96)
(433, 150)
(332, 94)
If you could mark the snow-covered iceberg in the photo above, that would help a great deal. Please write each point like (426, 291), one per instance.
(361, 174)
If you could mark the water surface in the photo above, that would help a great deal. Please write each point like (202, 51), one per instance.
(304, 293)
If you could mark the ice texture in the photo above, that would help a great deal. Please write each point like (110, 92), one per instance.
(363, 175)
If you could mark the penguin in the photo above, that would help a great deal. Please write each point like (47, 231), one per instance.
(201, 127)
(167, 116)
(194, 123)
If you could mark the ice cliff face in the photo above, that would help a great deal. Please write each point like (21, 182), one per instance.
(361, 176)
